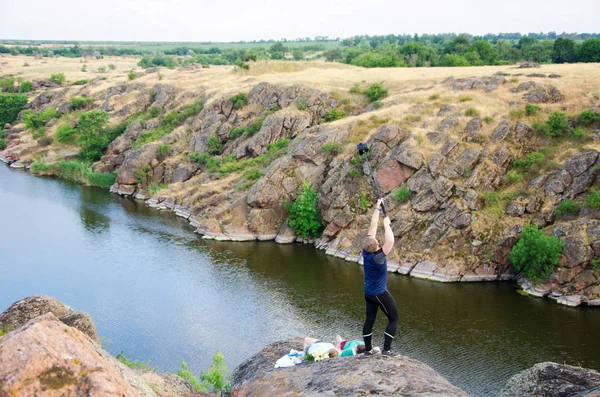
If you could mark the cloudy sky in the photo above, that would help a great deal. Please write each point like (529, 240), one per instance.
(233, 20)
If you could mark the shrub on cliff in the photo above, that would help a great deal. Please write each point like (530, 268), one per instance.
(304, 215)
(58, 78)
(37, 120)
(239, 100)
(335, 114)
(214, 379)
(93, 138)
(10, 106)
(376, 91)
(536, 255)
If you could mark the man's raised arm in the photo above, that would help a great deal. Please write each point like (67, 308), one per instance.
(375, 219)
(389, 236)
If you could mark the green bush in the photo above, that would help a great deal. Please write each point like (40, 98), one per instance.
(531, 110)
(536, 255)
(81, 102)
(488, 119)
(402, 194)
(335, 114)
(465, 98)
(58, 78)
(252, 174)
(189, 376)
(567, 207)
(80, 82)
(579, 133)
(239, 100)
(376, 91)
(514, 177)
(255, 126)
(10, 106)
(595, 264)
(356, 89)
(131, 75)
(71, 170)
(588, 117)
(112, 66)
(593, 200)
(38, 167)
(211, 380)
(333, 148)
(93, 138)
(492, 198)
(100, 179)
(304, 215)
(531, 162)
(516, 114)
(25, 86)
(354, 173)
(301, 103)
(7, 85)
(434, 97)
(2, 144)
(154, 188)
(454, 60)
(154, 111)
(38, 120)
(364, 202)
(471, 112)
(555, 126)
(163, 150)
(142, 174)
(215, 146)
(236, 132)
(135, 364)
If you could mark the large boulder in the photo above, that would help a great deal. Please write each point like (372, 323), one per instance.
(547, 94)
(350, 376)
(579, 163)
(501, 131)
(553, 380)
(34, 306)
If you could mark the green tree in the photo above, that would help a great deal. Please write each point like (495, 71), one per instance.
(589, 51)
(298, 55)
(454, 60)
(563, 50)
(304, 215)
(58, 78)
(536, 254)
(376, 91)
(10, 106)
(91, 127)
(487, 53)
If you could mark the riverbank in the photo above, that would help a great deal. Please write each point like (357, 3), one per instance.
(466, 157)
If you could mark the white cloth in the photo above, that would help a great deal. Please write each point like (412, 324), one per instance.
(320, 348)
(289, 360)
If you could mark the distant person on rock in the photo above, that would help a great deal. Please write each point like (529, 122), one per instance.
(376, 293)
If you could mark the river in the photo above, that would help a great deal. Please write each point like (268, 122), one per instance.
(158, 292)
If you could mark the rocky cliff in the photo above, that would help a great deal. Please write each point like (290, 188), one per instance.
(230, 167)
(47, 353)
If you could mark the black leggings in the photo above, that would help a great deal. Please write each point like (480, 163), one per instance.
(388, 305)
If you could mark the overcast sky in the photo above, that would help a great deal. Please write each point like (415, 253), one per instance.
(234, 20)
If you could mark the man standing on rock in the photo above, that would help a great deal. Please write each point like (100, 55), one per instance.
(376, 293)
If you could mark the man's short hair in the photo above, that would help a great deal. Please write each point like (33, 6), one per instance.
(370, 244)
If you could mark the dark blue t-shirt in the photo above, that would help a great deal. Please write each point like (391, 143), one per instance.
(375, 272)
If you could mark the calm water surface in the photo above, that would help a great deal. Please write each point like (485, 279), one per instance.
(159, 292)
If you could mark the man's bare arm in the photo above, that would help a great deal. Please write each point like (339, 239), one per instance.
(389, 236)
(375, 219)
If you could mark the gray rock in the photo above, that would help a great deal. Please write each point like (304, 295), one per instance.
(553, 380)
(471, 200)
(582, 183)
(419, 180)
(526, 86)
(540, 180)
(515, 208)
(473, 126)
(576, 251)
(20, 312)
(501, 131)
(534, 205)
(522, 131)
(436, 137)
(579, 163)
(548, 94)
(408, 155)
(558, 183)
(449, 146)
(436, 164)
(445, 110)
(389, 134)
(462, 221)
(425, 201)
(183, 172)
(442, 189)
(502, 156)
(463, 163)
(448, 124)
(376, 375)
